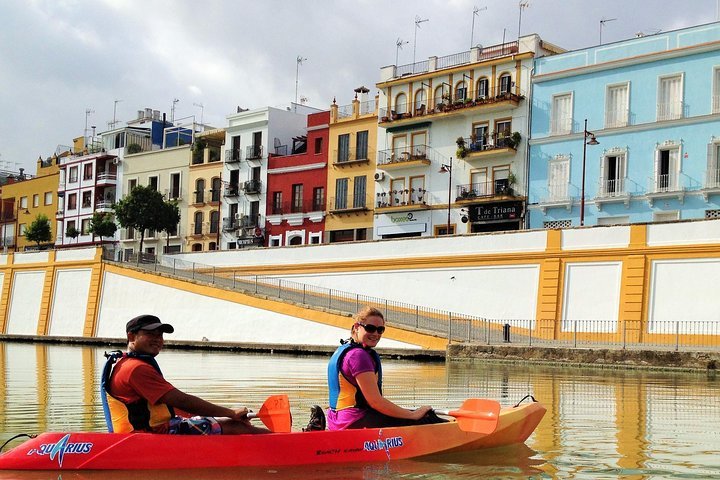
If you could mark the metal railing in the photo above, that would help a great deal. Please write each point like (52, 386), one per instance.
(614, 187)
(668, 182)
(483, 189)
(253, 152)
(695, 335)
(616, 118)
(352, 155)
(402, 197)
(561, 125)
(232, 155)
(231, 190)
(409, 154)
(252, 186)
(712, 178)
(305, 206)
(669, 110)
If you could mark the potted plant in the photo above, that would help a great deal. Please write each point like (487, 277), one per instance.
(461, 151)
(134, 148)
(513, 140)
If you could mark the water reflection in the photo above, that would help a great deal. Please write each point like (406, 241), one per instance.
(600, 423)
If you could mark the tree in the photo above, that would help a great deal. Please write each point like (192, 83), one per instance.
(72, 232)
(39, 230)
(170, 220)
(102, 225)
(142, 209)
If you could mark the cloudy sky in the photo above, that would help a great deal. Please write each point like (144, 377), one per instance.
(59, 58)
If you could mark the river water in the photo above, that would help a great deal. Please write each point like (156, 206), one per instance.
(601, 423)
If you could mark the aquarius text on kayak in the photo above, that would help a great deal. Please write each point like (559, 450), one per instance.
(60, 448)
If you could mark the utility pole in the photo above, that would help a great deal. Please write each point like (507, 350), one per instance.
(418, 21)
(603, 21)
(299, 62)
(172, 110)
(476, 10)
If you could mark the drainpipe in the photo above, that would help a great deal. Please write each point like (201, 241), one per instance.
(527, 147)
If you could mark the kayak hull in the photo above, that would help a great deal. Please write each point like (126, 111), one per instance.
(144, 451)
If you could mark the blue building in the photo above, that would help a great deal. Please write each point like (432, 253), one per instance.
(633, 125)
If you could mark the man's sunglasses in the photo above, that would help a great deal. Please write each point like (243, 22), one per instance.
(372, 328)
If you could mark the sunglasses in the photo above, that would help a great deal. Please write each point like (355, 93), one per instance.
(372, 328)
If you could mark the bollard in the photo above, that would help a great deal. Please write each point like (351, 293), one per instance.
(506, 333)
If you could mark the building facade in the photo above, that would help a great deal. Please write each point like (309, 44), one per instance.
(296, 187)
(627, 132)
(351, 169)
(451, 145)
(204, 192)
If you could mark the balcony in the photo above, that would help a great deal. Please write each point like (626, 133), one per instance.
(254, 152)
(712, 183)
(252, 187)
(612, 191)
(663, 186)
(402, 200)
(561, 125)
(7, 242)
(295, 213)
(408, 157)
(343, 205)
(232, 155)
(464, 102)
(230, 224)
(231, 190)
(670, 111)
(106, 178)
(617, 118)
(250, 221)
(557, 196)
(351, 156)
(489, 146)
(474, 192)
(173, 194)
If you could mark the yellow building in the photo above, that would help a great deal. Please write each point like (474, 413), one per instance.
(351, 172)
(23, 199)
(205, 193)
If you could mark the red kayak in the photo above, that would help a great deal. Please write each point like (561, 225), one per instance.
(478, 424)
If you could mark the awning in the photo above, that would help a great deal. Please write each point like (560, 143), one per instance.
(406, 127)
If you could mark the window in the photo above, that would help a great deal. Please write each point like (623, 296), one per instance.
(503, 130)
(441, 96)
(417, 190)
(235, 152)
(87, 171)
(214, 221)
(23, 202)
(36, 200)
(419, 142)
(712, 176)
(670, 98)
(277, 203)
(505, 83)
(360, 183)
(132, 184)
(297, 198)
(443, 230)
(130, 233)
(361, 145)
(561, 114)
(318, 145)
(558, 177)
(48, 198)
(200, 190)
(72, 201)
(85, 226)
(174, 185)
(318, 199)
(612, 173)
(716, 90)
(343, 152)
(667, 166)
(341, 192)
(400, 103)
(479, 137)
(153, 183)
(87, 199)
(197, 226)
(71, 225)
(73, 174)
(399, 148)
(215, 192)
(21, 229)
(616, 105)
(420, 101)
(460, 91)
(483, 88)
(397, 192)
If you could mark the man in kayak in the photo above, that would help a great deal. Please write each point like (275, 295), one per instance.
(355, 382)
(140, 399)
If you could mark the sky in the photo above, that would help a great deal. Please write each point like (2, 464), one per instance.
(61, 58)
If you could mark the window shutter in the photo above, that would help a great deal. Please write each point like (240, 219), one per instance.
(656, 170)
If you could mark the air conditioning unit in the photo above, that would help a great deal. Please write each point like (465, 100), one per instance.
(379, 176)
(116, 161)
(238, 216)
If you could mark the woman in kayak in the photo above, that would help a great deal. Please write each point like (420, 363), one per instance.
(355, 382)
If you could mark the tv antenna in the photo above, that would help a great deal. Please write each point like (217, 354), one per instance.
(418, 21)
(114, 122)
(172, 110)
(398, 46)
(603, 21)
(299, 60)
(88, 112)
(476, 10)
(522, 5)
(202, 111)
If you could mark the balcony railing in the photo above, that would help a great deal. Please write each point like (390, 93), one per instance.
(349, 203)
(250, 221)
(447, 103)
(252, 186)
(230, 224)
(664, 183)
(716, 104)
(616, 118)
(352, 155)
(669, 110)
(490, 141)
(173, 194)
(557, 192)
(305, 206)
(712, 178)
(471, 191)
(614, 187)
(402, 197)
(399, 155)
(106, 177)
(231, 190)
(232, 155)
(561, 125)
(254, 152)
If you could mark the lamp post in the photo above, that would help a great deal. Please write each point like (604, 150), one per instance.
(17, 223)
(447, 168)
(586, 142)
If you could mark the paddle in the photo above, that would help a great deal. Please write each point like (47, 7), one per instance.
(476, 415)
(275, 414)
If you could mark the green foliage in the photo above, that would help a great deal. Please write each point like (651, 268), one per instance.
(72, 232)
(102, 225)
(170, 219)
(142, 209)
(134, 148)
(39, 230)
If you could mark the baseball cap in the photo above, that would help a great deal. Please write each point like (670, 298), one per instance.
(147, 322)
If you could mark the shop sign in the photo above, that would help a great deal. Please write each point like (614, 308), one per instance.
(496, 211)
(405, 218)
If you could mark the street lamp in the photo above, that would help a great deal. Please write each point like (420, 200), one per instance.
(592, 141)
(447, 168)
(17, 223)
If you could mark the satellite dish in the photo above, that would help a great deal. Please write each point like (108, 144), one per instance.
(479, 47)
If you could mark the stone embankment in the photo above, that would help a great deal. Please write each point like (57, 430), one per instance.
(599, 357)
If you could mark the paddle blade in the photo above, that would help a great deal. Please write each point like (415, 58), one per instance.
(477, 415)
(275, 414)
